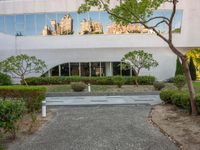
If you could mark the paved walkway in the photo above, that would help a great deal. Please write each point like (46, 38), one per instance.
(98, 128)
(104, 100)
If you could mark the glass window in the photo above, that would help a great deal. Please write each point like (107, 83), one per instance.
(95, 69)
(2, 27)
(40, 23)
(85, 69)
(103, 69)
(74, 69)
(55, 71)
(76, 25)
(116, 68)
(19, 24)
(65, 69)
(82, 17)
(9, 25)
(60, 16)
(105, 20)
(30, 25)
(50, 17)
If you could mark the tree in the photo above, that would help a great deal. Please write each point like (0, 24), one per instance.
(192, 69)
(140, 11)
(22, 65)
(179, 68)
(138, 60)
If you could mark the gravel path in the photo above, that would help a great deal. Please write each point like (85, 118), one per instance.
(98, 128)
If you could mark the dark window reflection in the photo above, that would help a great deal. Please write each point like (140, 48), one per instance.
(116, 68)
(74, 69)
(65, 69)
(55, 71)
(85, 70)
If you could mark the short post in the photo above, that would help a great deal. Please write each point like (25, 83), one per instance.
(89, 88)
(44, 109)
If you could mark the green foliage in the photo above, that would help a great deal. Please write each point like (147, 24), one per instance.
(179, 68)
(138, 60)
(119, 81)
(128, 11)
(179, 81)
(5, 79)
(22, 65)
(10, 112)
(78, 86)
(32, 95)
(142, 80)
(179, 98)
(166, 96)
(158, 85)
(192, 69)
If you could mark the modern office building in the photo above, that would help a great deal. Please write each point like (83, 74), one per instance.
(90, 44)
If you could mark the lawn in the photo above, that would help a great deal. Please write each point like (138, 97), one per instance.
(103, 88)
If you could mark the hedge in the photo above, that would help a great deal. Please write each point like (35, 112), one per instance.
(142, 80)
(32, 95)
(179, 98)
(5, 79)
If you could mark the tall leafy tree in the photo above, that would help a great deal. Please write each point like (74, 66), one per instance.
(192, 69)
(138, 60)
(179, 68)
(22, 65)
(140, 11)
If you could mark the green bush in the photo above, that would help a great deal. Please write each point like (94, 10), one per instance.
(32, 95)
(179, 67)
(158, 85)
(119, 81)
(5, 79)
(10, 112)
(179, 98)
(166, 96)
(192, 69)
(78, 86)
(179, 81)
(142, 80)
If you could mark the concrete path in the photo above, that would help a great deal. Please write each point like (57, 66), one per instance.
(98, 128)
(103, 100)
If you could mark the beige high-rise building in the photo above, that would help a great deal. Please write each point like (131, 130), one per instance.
(90, 27)
(66, 25)
(46, 30)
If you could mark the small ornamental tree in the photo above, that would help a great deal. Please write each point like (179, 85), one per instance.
(140, 11)
(137, 60)
(22, 65)
(179, 68)
(192, 69)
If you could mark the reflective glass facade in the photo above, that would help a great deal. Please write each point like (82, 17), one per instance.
(67, 23)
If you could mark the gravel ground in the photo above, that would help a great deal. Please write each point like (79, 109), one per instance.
(98, 128)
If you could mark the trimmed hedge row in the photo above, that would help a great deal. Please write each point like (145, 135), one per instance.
(179, 98)
(142, 80)
(32, 95)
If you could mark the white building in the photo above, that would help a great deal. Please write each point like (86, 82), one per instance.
(91, 54)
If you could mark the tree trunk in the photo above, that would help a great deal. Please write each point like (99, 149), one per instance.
(190, 85)
(23, 79)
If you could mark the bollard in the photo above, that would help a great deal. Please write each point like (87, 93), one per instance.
(89, 88)
(44, 109)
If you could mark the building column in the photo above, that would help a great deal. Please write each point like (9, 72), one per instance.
(79, 69)
(59, 70)
(49, 73)
(109, 69)
(90, 69)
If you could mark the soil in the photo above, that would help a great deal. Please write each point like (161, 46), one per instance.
(24, 129)
(178, 125)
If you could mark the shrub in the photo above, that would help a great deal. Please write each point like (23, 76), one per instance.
(192, 69)
(179, 68)
(10, 112)
(166, 96)
(170, 80)
(119, 81)
(142, 80)
(78, 86)
(5, 79)
(179, 98)
(32, 95)
(158, 85)
(179, 81)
